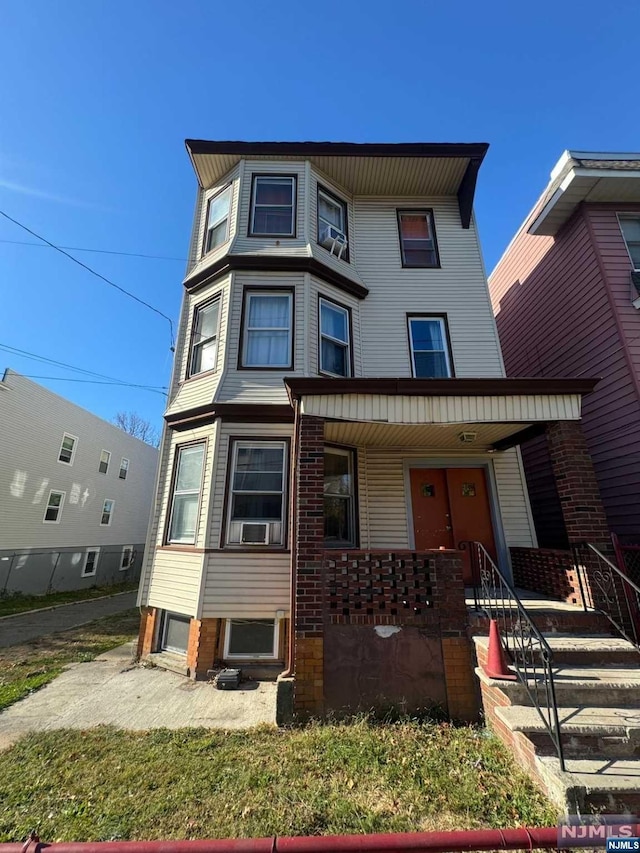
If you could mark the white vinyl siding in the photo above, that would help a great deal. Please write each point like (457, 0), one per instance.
(519, 530)
(34, 420)
(458, 290)
(198, 260)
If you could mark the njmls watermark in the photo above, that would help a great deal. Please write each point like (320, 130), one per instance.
(613, 832)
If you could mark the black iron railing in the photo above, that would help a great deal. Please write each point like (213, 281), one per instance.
(609, 589)
(522, 640)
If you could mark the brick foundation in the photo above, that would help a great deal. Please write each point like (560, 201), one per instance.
(202, 646)
(548, 571)
(462, 691)
(147, 632)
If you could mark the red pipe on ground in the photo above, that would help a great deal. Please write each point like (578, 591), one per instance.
(434, 842)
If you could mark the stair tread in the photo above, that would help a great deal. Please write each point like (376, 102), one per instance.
(566, 675)
(583, 643)
(581, 719)
(597, 774)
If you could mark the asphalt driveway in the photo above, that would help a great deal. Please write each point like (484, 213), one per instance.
(113, 690)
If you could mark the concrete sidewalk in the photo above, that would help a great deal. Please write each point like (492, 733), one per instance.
(23, 627)
(112, 690)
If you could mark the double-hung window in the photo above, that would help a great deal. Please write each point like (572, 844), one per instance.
(430, 357)
(90, 565)
(339, 498)
(127, 557)
(332, 223)
(335, 344)
(185, 498)
(630, 226)
(273, 206)
(205, 337)
(217, 220)
(257, 493)
(124, 469)
(67, 449)
(268, 329)
(54, 507)
(418, 245)
(105, 458)
(107, 512)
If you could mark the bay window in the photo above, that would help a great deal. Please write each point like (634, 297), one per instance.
(335, 345)
(257, 493)
(185, 497)
(217, 231)
(268, 329)
(273, 206)
(204, 343)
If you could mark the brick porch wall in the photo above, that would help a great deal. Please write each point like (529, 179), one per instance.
(548, 571)
(202, 646)
(147, 632)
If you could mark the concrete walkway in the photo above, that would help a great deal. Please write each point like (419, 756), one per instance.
(112, 690)
(23, 627)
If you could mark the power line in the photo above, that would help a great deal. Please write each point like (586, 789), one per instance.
(34, 357)
(92, 271)
(99, 251)
(157, 389)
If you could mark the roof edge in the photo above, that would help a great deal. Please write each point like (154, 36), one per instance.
(340, 149)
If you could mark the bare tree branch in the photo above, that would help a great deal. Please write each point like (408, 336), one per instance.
(138, 427)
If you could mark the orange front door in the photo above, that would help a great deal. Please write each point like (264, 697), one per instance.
(451, 505)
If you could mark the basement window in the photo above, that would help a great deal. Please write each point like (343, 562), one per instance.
(175, 633)
(251, 638)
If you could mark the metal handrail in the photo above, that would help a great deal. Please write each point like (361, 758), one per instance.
(530, 653)
(600, 583)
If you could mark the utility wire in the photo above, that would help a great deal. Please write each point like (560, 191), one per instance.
(157, 389)
(92, 271)
(99, 251)
(34, 357)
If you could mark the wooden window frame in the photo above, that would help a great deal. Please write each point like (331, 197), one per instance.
(322, 190)
(58, 517)
(73, 449)
(192, 345)
(247, 292)
(443, 319)
(93, 550)
(207, 227)
(255, 177)
(166, 540)
(428, 212)
(344, 449)
(228, 493)
(322, 298)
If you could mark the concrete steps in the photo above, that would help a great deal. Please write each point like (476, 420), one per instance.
(597, 684)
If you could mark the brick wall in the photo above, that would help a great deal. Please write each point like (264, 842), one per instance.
(548, 571)
(147, 632)
(582, 507)
(202, 646)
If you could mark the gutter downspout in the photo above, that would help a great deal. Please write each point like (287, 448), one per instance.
(293, 533)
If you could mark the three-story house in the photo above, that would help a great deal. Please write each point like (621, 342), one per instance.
(339, 422)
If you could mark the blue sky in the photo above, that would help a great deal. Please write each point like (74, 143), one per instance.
(97, 98)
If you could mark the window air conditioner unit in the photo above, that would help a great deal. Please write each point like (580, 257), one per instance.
(252, 533)
(334, 240)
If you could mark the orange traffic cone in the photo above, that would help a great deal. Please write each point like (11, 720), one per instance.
(496, 659)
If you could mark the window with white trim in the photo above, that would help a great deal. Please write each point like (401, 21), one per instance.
(107, 512)
(430, 357)
(185, 499)
(268, 329)
(127, 558)
(217, 231)
(417, 238)
(630, 226)
(124, 468)
(105, 458)
(68, 449)
(90, 565)
(257, 489)
(204, 342)
(273, 206)
(339, 498)
(53, 511)
(251, 638)
(335, 345)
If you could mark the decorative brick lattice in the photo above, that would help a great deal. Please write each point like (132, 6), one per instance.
(380, 584)
(548, 571)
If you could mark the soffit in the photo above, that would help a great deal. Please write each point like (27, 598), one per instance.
(425, 436)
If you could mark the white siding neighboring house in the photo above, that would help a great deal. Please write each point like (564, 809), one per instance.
(344, 283)
(75, 493)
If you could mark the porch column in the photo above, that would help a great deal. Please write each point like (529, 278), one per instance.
(308, 689)
(582, 509)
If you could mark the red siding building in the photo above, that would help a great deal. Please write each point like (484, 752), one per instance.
(567, 303)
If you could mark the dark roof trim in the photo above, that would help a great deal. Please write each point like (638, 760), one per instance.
(299, 386)
(467, 190)
(340, 149)
(520, 437)
(259, 413)
(274, 264)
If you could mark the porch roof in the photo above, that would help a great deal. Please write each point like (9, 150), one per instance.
(470, 414)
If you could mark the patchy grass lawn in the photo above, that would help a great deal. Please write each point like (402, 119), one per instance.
(19, 603)
(25, 668)
(319, 780)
